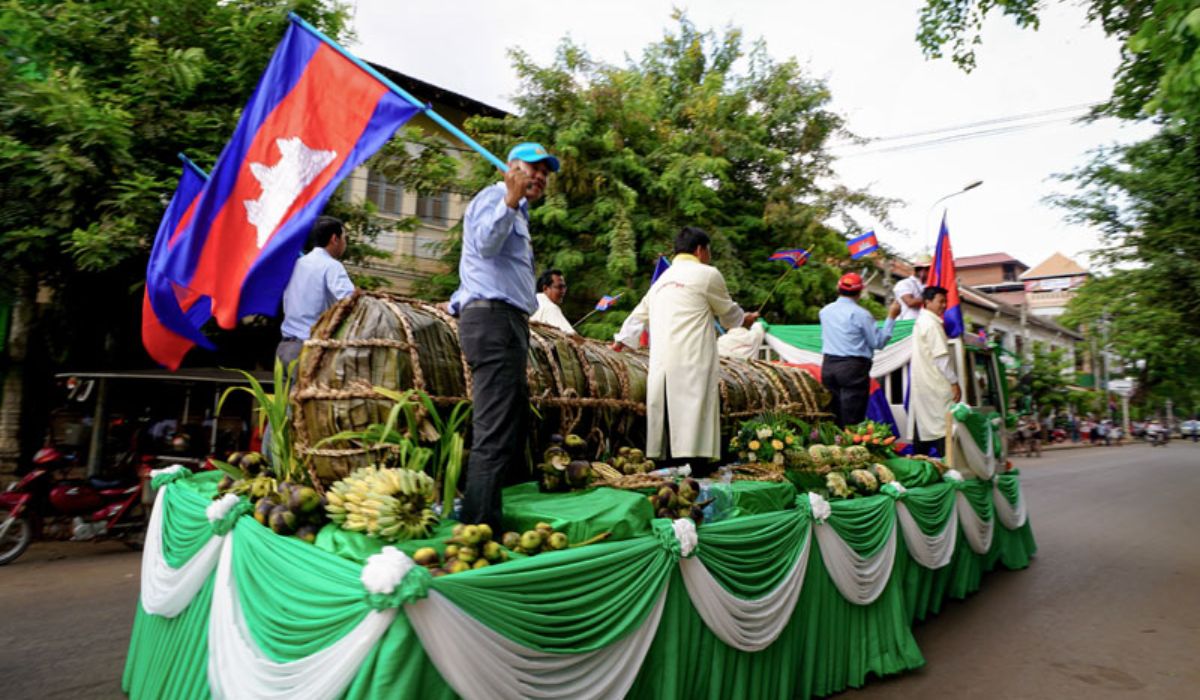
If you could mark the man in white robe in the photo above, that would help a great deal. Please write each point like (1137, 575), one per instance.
(551, 290)
(682, 399)
(934, 381)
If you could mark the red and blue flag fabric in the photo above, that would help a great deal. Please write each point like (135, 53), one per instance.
(863, 245)
(316, 114)
(794, 257)
(659, 268)
(942, 274)
(607, 302)
(171, 315)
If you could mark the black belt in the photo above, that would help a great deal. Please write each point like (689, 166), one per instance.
(494, 305)
(844, 358)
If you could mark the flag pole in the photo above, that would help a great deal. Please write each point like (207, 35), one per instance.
(777, 283)
(437, 118)
(585, 317)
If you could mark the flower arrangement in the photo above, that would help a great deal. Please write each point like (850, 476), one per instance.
(766, 440)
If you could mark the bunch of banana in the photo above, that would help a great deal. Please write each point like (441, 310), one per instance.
(391, 504)
(631, 460)
(679, 500)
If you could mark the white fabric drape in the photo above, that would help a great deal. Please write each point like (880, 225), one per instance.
(859, 579)
(930, 551)
(886, 361)
(981, 463)
(237, 668)
(167, 591)
(747, 625)
(480, 663)
(977, 530)
(1010, 516)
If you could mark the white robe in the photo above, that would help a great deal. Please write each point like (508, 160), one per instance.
(931, 393)
(684, 364)
(742, 343)
(551, 314)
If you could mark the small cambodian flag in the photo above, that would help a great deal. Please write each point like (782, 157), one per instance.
(316, 114)
(863, 245)
(794, 257)
(607, 302)
(171, 315)
(942, 274)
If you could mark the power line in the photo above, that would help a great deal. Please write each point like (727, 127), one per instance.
(985, 122)
(954, 138)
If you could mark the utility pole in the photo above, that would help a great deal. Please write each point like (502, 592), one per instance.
(1107, 395)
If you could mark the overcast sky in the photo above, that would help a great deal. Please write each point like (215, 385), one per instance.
(880, 83)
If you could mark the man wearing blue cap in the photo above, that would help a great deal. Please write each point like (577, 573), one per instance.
(493, 302)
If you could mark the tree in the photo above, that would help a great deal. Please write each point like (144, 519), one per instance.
(680, 137)
(1042, 384)
(1160, 61)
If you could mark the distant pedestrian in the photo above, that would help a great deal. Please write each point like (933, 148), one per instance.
(1030, 431)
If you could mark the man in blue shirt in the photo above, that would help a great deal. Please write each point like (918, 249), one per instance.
(849, 339)
(493, 302)
(318, 280)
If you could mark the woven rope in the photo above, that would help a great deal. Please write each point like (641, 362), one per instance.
(333, 343)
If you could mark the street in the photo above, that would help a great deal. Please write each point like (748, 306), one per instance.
(1109, 608)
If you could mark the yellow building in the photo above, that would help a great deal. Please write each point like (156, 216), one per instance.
(417, 254)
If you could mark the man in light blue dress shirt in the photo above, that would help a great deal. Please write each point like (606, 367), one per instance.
(849, 339)
(495, 297)
(317, 281)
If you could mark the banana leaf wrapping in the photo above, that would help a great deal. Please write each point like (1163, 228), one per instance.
(577, 385)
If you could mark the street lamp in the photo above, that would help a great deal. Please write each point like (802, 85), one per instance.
(968, 188)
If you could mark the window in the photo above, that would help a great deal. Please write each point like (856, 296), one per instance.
(434, 209)
(387, 240)
(385, 194)
(428, 246)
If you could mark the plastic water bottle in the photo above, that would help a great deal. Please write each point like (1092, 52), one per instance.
(684, 470)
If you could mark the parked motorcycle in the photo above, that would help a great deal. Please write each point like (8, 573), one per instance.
(1157, 435)
(46, 504)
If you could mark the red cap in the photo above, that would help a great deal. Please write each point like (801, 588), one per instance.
(850, 282)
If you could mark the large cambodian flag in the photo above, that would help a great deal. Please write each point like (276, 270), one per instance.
(171, 315)
(942, 274)
(316, 114)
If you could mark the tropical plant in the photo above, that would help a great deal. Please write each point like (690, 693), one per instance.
(272, 409)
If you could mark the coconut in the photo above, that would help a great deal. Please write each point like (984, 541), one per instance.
(624, 451)
(485, 531)
(667, 497)
(556, 439)
(696, 513)
(425, 556)
(575, 445)
(558, 541)
(308, 533)
(283, 521)
(689, 489)
(666, 513)
(262, 511)
(492, 551)
(471, 535)
(511, 540)
(636, 455)
(551, 482)
(531, 540)
(544, 528)
(578, 474)
(467, 554)
(480, 563)
(451, 551)
(556, 457)
(457, 566)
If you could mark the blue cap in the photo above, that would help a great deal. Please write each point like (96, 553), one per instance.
(532, 153)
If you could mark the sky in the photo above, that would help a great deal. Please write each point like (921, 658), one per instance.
(880, 82)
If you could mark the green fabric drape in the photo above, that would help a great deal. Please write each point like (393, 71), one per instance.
(581, 514)
(572, 600)
(168, 657)
(185, 525)
(864, 523)
(913, 472)
(751, 556)
(930, 506)
(808, 337)
(1009, 484)
(298, 599)
(754, 497)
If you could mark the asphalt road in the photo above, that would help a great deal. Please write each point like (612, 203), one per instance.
(1109, 609)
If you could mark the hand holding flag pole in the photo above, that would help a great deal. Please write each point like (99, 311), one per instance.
(606, 302)
(794, 258)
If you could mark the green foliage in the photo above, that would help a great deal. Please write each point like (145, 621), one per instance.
(273, 410)
(697, 131)
(1043, 381)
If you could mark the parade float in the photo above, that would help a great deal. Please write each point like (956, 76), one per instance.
(335, 569)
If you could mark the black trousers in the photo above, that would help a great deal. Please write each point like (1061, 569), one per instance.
(848, 379)
(927, 447)
(495, 341)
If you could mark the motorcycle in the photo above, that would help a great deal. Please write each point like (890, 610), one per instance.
(49, 505)
(1157, 436)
